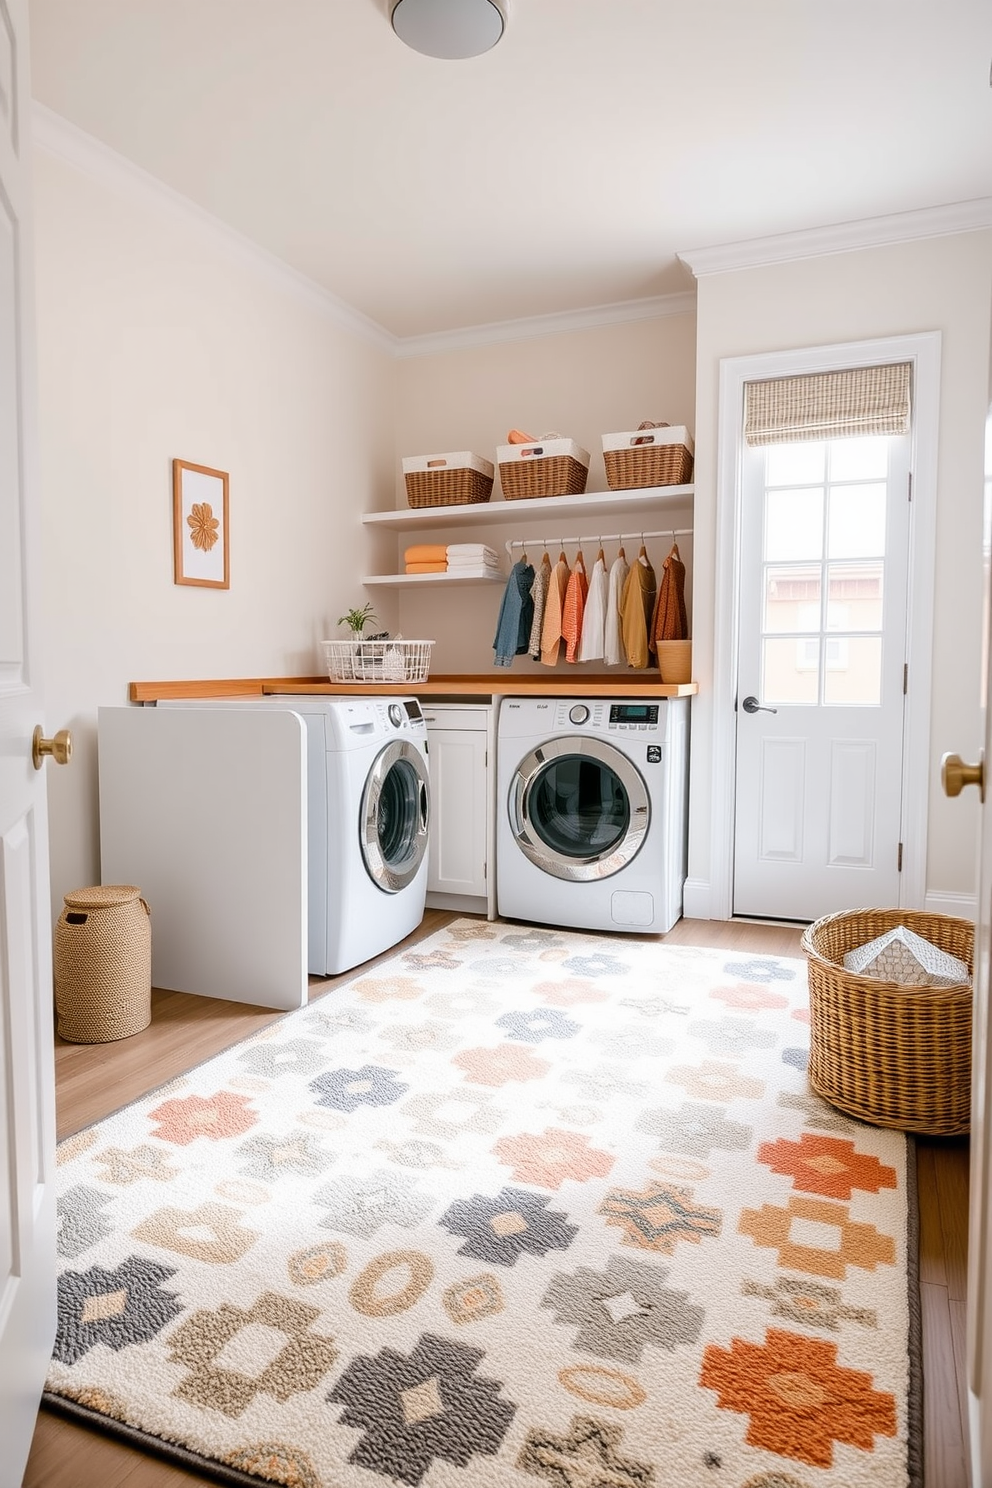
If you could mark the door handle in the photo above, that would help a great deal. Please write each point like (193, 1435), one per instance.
(955, 774)
(751, 705)
(59, 747)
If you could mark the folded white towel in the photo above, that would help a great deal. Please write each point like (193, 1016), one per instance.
(476, 571)
(472, 550)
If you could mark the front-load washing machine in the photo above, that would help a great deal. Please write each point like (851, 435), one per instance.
(368, 815)
(591, 811)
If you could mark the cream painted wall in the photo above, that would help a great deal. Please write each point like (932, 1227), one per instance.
(582, 384)
(154, 343)
(941, 284)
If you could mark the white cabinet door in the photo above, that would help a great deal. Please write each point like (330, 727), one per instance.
(458, 759)
(205, 810)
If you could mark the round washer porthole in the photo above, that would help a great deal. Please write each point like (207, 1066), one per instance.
(394, 817)
(579, 809)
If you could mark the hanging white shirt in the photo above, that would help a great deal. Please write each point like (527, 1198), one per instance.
(613, 647)
(592, 645)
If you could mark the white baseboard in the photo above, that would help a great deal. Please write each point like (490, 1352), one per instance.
(460, 903)
(696, 899)
(962, 906)
(697, 902)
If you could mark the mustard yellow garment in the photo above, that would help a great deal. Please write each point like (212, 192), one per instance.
(441, 567)
(551, 636)
(426, 553)
(636, 611)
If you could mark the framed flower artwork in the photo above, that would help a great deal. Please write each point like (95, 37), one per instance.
(199, 526)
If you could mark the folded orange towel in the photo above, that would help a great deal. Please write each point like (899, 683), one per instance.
(426, 568)
(426, 553)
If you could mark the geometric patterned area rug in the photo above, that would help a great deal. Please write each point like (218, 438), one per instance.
(516, 1207)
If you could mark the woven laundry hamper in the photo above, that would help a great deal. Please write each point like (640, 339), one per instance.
(103, 964)
(889, 1054)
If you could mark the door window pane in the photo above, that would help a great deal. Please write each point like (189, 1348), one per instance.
(795, 464)
(793, 524)
(860, 459)
(857, 521)
(790, 670)
(792, 597)
(854, 596)
(826, 510)
(856, 679)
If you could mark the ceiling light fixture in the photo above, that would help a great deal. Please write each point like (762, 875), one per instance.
(449, 28)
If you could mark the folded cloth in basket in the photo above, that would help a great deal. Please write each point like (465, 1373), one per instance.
(427, 567)
(900, 955)
(426, 553)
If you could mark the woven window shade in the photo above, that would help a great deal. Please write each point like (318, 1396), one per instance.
(828, 405)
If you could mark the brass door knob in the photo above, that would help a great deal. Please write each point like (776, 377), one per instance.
(60, 748)
(955, 775)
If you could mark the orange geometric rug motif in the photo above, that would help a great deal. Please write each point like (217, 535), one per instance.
(517, 1206)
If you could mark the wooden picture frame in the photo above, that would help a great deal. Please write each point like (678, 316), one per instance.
(200, 533)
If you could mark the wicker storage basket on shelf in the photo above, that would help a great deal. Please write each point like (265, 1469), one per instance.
(648, 457)
(102, 960)
(893, 1055)
(549, 467)
(460, 479)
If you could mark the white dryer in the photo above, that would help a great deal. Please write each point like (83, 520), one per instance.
(368, 816)
(591, 812)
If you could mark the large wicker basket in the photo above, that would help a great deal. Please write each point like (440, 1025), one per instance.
(892, 1055)
(648, 457)
(550, 467)
(102, 962)
(459, 479)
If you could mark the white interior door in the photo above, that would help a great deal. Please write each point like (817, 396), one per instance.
(27, 1218)
(821, 676)
(980, 1203)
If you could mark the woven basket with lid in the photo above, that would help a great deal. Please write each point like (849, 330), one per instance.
(103, 964)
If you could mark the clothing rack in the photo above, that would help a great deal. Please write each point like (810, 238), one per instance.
(593, 537)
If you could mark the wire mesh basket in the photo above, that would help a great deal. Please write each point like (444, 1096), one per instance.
(377, 661)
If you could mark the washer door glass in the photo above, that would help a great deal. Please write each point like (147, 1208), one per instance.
(394, 817)
(579, 809)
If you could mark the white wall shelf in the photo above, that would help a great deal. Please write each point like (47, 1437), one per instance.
(415, 581)
(547, 508)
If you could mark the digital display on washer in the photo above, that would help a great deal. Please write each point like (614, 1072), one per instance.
(633, 712)
(413, 709)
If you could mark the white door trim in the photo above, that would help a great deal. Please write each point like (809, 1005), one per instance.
(923, 351)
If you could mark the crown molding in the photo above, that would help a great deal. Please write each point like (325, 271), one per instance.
(54, 134)
(653, 308)
(842, 237)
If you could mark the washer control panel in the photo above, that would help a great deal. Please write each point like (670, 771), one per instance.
(605, 717)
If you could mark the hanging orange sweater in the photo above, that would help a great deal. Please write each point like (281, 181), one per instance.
(574, 609)
(553, 605)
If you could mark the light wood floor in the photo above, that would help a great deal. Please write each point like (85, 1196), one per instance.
(94, 1079)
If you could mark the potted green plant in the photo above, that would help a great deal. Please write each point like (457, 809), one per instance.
(356, 620)
(355, 660)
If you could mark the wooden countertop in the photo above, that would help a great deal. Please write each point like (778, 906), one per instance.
(583, 684)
